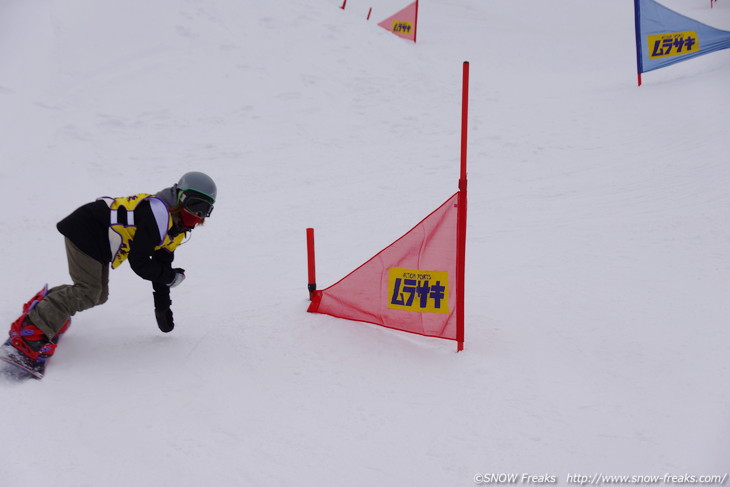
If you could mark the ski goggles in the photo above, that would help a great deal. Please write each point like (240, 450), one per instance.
(196, 203)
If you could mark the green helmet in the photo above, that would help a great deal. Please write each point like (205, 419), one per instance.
(197, 193)
(199, 182)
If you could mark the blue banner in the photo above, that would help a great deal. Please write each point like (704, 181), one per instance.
(664, 37)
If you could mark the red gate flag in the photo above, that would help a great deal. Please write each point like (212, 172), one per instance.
(416, 284)
(410, 285)
(404, 23)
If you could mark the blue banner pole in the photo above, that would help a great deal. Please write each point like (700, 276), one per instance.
(637, 24)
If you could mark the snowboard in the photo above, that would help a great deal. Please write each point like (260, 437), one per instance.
(15, 365)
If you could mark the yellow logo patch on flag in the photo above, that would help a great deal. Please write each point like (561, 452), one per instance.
(401, 27)
(417, 290)
(672, 44)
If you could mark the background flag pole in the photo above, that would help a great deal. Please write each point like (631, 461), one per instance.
(461, 215)
(415, 24)
(637, 27)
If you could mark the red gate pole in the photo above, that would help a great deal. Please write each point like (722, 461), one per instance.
(312, 279)
(461, 215)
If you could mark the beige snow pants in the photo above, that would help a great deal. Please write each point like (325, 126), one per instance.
(90, 288)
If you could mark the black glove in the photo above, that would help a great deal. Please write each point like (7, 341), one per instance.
(163, 313)
(164, 319)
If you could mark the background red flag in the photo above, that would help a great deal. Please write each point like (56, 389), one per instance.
(403, 23)
(410, 285)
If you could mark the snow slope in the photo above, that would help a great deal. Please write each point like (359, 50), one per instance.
(598, 242)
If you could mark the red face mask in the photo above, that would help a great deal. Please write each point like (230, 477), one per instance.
(189, 220)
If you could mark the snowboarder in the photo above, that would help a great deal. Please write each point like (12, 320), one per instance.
(144, 229)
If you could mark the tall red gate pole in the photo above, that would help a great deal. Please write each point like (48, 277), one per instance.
(461, 214)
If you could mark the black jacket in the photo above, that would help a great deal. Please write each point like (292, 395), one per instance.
(88, 228)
